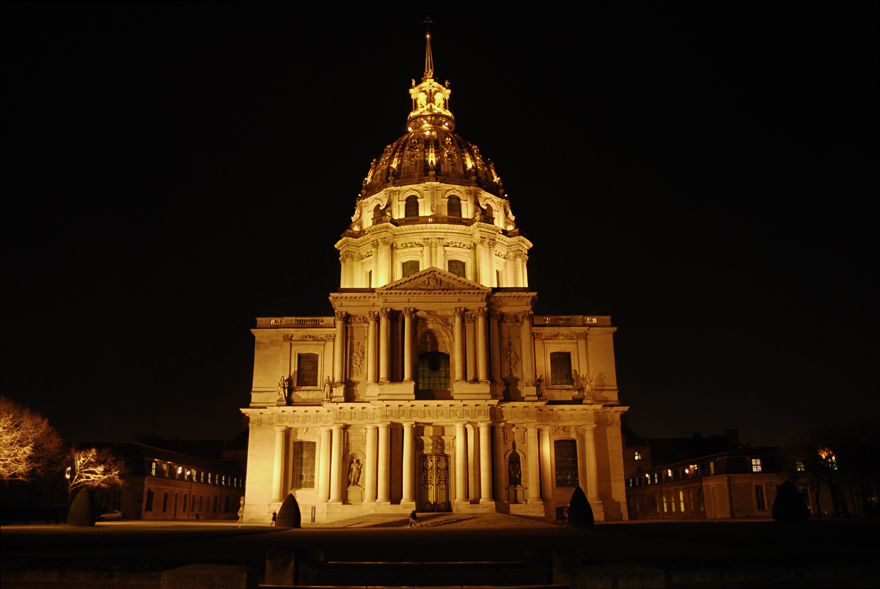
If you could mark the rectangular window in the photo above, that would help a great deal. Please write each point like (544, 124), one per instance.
(149, 506)
(560, 368)
(153, 469)
(304, 465)
(681, 500)
(759, 495)
(184, 502)
(566, 463)
(307, 370)
(409, 268)
(215, 503)
(201, 502)
(756, 465)
(498, 278)
(433, 371)
(369, 279)
(664, 503)
(165, 502)
(457, 267)
(638, 456)
(711, 468)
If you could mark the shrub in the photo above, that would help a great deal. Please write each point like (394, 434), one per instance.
(82, 510)
(789, 506)
(580, 514)
(289, 515)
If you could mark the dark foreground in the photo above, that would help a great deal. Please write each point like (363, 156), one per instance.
(499, 550)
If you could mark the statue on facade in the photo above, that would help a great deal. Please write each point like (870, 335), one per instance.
(328, 389)
(241, 510)
(354, 472)
(283, 388)
(539, 388)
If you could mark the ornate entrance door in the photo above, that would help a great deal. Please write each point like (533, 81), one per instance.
(434, 483)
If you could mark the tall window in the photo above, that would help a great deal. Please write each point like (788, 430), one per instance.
(377, 212)
(759, 496)
(304, 465)
(307, 370)
(498, 278)
(457, 267)
(369, 279)
(412, 206)
(453, 207)
(560, 368)
(756, 465)
(410, 267)
(566, 463)
(149, 506)
(433, 371)
(165, 502)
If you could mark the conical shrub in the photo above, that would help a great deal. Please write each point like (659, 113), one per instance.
(580, 514)
(789, 505)
(82, 510)
(289, 515)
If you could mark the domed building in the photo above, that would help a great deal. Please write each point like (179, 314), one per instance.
(434, 386)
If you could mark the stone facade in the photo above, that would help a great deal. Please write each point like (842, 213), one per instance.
(434, 386)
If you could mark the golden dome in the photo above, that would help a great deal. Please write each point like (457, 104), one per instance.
(431, 151)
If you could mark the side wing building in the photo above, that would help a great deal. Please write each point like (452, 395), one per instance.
(433, 386)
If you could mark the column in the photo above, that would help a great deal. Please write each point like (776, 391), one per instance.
(407, 464)
(343, 275)
(479, 259)
(278, 467)
(495, 347)
(470, 348)
(388, 252)
(408, 314)
(534, 478)
(525, 271)
(336, 465)
(498, 461)
(460, 464)
(458, 335)
(384, 343)
(528, 365)
(590, 454)
(372, 352)
(472, 466)
(370, 477)
(482, 345)
(546, 473)
(384, 465)
(440, 260)
(427, 253)
(485, 463)
(288, 460)
(324, 467)
(339, 347)
(374, 273)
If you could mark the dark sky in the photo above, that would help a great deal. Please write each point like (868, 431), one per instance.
(702, 173)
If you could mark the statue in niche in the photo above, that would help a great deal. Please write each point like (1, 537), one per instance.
(354, 473)
(514, 469)
(539, 387)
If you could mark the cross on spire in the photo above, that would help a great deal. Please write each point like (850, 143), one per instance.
(429, 59)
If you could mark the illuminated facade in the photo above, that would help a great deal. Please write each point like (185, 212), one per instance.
(434, 386)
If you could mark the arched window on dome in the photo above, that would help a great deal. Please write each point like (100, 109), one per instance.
(458, 268)
(377, 212)
(453, 207)
(490, 214)
(412, 206)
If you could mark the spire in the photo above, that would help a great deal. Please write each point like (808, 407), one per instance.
(429, 59)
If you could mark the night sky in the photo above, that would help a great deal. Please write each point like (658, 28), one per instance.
(702, 173)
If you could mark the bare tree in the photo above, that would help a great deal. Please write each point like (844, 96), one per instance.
(29, 446)
(94, 469)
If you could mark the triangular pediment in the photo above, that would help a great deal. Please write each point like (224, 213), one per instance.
(433, 279)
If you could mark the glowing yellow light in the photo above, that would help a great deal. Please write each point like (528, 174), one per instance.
(179, 469)
(510, 227)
